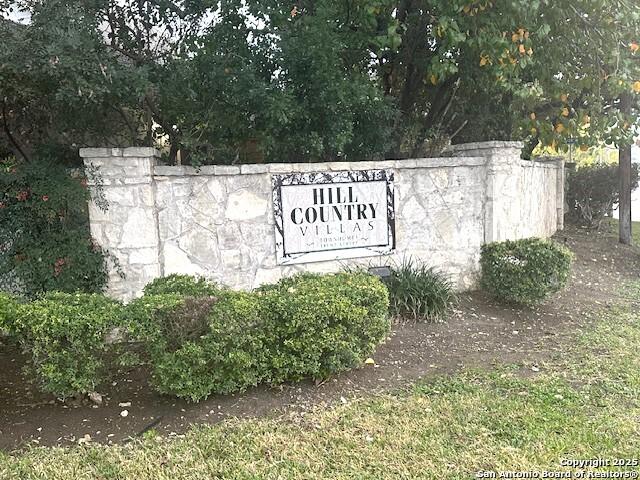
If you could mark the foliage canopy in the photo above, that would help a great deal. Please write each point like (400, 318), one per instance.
(253, 81)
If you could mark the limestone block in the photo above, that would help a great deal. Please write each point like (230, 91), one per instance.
(94, 152)
(175, 260)
(412, 211)
(236, 279)
(164, 194)
(259, 236)
(410, 163)
(282, 167)
(422, 183)
(145, 196)
(250, 257)
(142, 169)
(111, 232)
(324, 267)
(382, 164)
(245, 205)
(267, 257)
(366, 165)
(140, 152)
(267, 275)
(229, 236)
(147, 256)
(96, 214)
(469, 176)
(139, 229)
(204, 210)
(97, 232)
(440, 177)
(170, 224)
(446, 226)
(231, 259)
(135, 181)
(217, 189)
(180, 189)
(106, 172)
(201, 245)
(121, 196)
(150, 272)
(254, 168)
(337, 166)
(258, 184)
(226, 170)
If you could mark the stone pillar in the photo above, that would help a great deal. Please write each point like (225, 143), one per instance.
(502, 206)
(123, 216)
(560, 179)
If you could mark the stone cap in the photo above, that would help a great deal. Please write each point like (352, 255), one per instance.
(119, 152)
(494, 144)
(544, 162)
(548, 159)
(252, 169)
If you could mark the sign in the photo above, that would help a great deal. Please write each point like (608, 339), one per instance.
(333, 215)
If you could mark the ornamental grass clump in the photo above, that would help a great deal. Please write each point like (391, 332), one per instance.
(525, 271)
(419, 292)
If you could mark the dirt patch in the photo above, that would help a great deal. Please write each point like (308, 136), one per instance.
(479, 333)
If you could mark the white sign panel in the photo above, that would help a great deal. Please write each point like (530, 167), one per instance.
(333, 215)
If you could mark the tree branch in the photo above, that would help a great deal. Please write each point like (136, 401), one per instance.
(7, 131)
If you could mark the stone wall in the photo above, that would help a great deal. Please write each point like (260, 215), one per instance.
(217, 221)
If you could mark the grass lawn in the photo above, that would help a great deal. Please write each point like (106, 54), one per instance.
(584, 404)
(635, 230)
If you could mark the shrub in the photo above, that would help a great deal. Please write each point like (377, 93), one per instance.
(524, 271)
(592, 191)
(64, 334)
(45, 243)
(304, 326)
(418, 292)
(182, 285)
(9, 305)
(201, 346)
(317, 325)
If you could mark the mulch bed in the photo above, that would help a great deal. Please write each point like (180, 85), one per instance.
(480, 333)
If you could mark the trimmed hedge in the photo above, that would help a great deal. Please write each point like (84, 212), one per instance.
(201, 340)
(181, 285)
(304, 326)
(8, 309)
(524, 271)
(64, 334)
(201, 346)
(317, 325)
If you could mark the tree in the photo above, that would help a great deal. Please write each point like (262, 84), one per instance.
(60, 87)
(624, 206)
(214, 81)
(269, 80)
(451, 52)
(584, 58)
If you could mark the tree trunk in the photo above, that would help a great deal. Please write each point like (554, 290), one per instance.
(624, 207)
